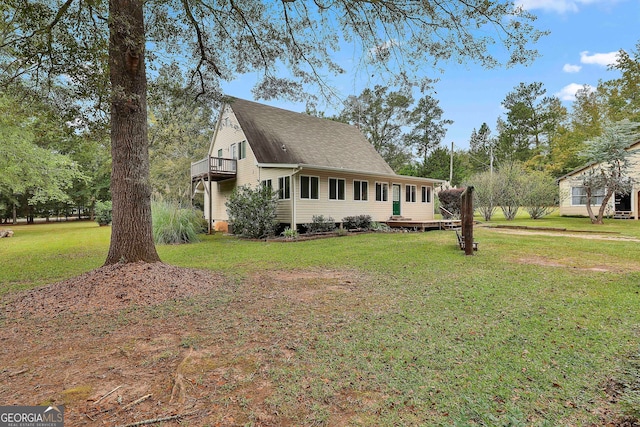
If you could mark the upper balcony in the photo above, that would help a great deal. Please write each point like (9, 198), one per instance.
(214, 169)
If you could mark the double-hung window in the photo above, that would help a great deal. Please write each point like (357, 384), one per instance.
(309, 187)
(267, 183)
(284, 187)
(410, 193)
(382, 191)
(360, 190)
(426, 194)
(239, 150)
(337, 188)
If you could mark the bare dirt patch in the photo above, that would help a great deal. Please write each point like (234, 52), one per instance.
(112, 288)
(578, 235)
(546, 262)
(141, 342)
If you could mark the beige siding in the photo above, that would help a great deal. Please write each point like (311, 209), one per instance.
(338, 209)
(567, 183)
(416, 211)
(301, 211)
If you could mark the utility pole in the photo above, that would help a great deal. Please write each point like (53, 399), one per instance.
(491, 159)
(451, 165)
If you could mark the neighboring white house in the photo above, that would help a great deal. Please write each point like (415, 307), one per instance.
(317, 167)
(573, 195)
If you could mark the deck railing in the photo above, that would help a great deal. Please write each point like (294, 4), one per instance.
(217, 165)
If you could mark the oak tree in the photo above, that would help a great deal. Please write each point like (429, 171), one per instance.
(291, 44)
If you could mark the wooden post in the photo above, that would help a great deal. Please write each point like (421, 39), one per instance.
(466, 215)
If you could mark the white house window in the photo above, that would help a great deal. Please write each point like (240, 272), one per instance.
(382, 191)
(309, 187)
(410, 193)
(234, 151)
(426, 194)
(337, 188)
(360, 190)
(579, 196)
(267, 183)
(242, 150)
(284, 187)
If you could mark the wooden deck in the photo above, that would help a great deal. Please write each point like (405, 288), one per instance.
(214, 169)
(434, 224)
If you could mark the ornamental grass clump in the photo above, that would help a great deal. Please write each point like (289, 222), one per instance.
(173, 224)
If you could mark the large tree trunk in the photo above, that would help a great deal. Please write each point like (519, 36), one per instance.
(131, 232)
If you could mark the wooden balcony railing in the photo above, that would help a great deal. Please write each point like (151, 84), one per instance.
(217, 168)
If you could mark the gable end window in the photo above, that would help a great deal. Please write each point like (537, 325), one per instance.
(309, 187)
(410, 193)
(426, 194)
(337, 188)
(360, 190)
(238, 151)
(382, 191)
(284, 187)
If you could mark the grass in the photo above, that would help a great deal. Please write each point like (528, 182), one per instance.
(526, 332)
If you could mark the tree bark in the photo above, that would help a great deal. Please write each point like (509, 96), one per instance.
(131, 232)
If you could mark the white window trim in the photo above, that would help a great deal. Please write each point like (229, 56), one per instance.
(310, 187)
(383, 185)
(593, 197)
(337, 199)
(283, 178)
(360, 190)
(414, 193)
(427, 198)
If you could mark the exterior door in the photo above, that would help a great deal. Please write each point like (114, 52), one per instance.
(396, 199)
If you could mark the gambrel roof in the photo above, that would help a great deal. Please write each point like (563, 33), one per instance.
(279, 136)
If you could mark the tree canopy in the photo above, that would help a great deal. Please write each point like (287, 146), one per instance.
(100, 51)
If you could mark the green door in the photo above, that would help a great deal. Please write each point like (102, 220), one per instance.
(396, 199)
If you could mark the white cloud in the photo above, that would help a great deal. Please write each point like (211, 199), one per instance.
(560, 6)
(570, 68)
(568, 93)
(604, 59)
(383, 49)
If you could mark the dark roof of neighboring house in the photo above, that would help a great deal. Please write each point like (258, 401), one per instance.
(285, 137)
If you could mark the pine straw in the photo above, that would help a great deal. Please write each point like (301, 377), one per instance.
(111, 288)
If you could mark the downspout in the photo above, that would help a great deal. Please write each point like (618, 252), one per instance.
(293, 198)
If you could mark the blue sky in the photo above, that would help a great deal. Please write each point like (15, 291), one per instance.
(585, 36)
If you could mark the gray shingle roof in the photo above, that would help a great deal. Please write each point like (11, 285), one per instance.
(285, 137)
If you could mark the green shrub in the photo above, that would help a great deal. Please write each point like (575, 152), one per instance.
(252, 211)
(103, 212)
(173, 224)
(321, 224)
(380, 226)
(361, 222)
(290, 233)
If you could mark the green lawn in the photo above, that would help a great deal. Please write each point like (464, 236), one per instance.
(526, 332)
